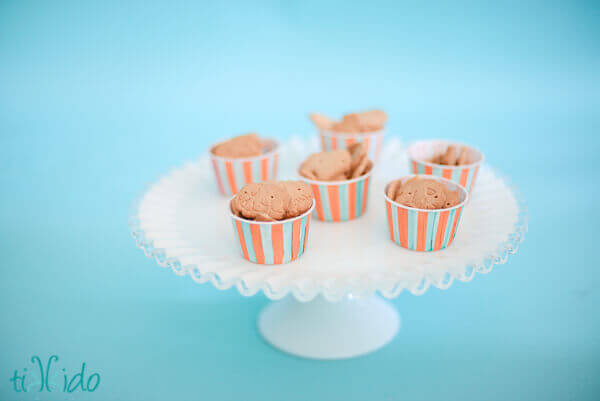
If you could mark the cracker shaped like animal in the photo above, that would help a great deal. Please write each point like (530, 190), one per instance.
(266, 201)
(300, 197)
(326, 166)
(248, 145)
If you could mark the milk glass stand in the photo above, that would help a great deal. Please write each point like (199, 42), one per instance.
(330, 303)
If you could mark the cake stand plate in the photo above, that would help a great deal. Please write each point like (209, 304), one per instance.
(328, 302)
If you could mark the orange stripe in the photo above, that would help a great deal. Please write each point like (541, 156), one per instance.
(323, 148)
(216, 168)
(428, 170)
(334, 201)
(456, 216)
(349, 141)
(275, 163)
(296, 238)
(277, 238)
(352, 200)
(403, 226)
(463, 177)
(367, 143)
(415, 167)
(318, 206)
(240, 232)
(441, 230)
(447, 173)
(421, 230)
(333, 143)
(247, 172)
(390, 220)
(264, 169)
(231, 176)
(474, 178)
(257, 243)
(306, 232)
(365, 192)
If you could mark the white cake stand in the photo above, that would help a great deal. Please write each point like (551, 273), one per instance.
(326, 304)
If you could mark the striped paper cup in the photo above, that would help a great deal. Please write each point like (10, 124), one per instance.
(421, 229)
(233, 173)
(340, 200)
(464, 175)
(272, 242)
(371, 140)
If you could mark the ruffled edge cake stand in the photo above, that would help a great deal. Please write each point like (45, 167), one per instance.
(329, 303)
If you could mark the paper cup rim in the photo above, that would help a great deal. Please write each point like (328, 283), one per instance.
(431, 141)
(271, 152)
(233, 216)
(317, 182)
(444, 180)
(333, 133)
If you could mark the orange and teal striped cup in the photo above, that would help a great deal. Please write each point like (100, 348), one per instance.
(233, 173)
(465, 175)
(340, 200)
(421, 229)
(272, 242)
(371, 141)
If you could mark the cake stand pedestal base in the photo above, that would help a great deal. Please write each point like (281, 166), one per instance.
(329, 330)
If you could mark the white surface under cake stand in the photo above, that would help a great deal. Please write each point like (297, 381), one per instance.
(329, 302)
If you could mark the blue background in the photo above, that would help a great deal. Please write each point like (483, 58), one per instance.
(99, 98)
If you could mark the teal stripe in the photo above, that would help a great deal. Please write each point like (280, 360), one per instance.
(437, 171)
(373, 152)
(412, 229)
(432, 220)
(248, 238)
(375, 142)
(256, 171)
(343, 194)
(459, 216)
(237, 236)
(421, 168)
(287, 242)
(372, 147)
(359, 197)
(456, 176)
(470, 178)
(267, 244)
(395, 224)
(448, 228)
(238, 173)
(302, 232)
(325, 202)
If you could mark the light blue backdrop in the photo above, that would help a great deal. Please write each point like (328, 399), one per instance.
(99, 98)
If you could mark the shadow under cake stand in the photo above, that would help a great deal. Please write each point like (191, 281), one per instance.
(330, 303)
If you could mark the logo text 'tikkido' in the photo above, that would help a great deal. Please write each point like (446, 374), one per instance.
(51, 377)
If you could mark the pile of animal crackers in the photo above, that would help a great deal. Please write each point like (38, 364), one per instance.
(249, 145)
(272, 201)
(422, 193)
(353, 123)
(452, 157)
(337, 165)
